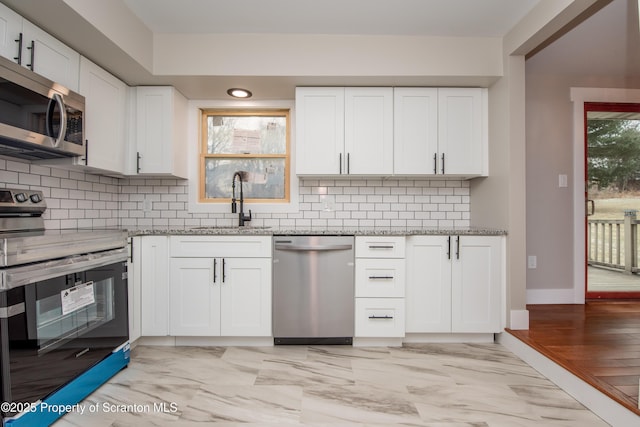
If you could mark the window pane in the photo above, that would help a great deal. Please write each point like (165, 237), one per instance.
(265, 178)
(247, 135)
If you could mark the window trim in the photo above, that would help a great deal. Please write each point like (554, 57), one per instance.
(203, 155)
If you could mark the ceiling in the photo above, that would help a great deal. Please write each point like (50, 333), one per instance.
(605, 44)
(463, 18)
(586, 50)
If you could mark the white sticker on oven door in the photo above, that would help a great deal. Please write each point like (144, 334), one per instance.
(77, 297)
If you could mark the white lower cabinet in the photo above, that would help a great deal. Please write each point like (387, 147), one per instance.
(454, 284)
(380, 287)
(154, 274)
(218, 295)
(134, 288)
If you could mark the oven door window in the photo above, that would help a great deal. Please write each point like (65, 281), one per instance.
(71, 312)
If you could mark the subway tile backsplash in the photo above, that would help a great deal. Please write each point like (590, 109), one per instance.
(78, 199)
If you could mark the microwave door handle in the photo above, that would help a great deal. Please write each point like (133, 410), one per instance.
(57, 98)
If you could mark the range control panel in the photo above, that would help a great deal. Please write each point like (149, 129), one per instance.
(16, 201)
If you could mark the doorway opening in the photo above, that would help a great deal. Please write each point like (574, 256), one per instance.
(612, 194)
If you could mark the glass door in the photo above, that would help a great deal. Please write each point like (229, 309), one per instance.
(612, 138)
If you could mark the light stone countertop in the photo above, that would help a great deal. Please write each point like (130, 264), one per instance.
(356, 231)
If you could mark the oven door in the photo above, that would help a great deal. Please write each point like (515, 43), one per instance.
(54, 329)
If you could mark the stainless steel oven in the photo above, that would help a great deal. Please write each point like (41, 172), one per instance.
(63, 310)
(54, 325)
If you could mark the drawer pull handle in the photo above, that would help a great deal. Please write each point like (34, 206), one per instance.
(380, 317)
(380, 246)
(380, 277)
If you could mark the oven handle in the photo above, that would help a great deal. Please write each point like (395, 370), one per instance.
(26, 274)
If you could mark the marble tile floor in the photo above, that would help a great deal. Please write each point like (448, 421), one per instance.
(439, 385)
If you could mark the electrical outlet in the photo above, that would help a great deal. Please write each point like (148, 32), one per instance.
(147, 205)
(532, 261)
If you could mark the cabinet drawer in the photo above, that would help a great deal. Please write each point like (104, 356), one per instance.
(379, 317)
(380, 277)
(380, 247)
(220, 246)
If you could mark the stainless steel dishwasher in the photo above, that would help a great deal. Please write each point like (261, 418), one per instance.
(313, 289)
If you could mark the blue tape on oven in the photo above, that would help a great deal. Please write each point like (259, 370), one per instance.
(63, 400)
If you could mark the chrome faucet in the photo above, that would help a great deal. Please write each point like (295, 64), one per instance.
(242, 218)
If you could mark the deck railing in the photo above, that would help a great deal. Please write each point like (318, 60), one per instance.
(614, 243)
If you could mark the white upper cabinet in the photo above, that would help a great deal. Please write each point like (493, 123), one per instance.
(392, 131)
(10, 29)
(49, 57)
(33, 48)
(368, 139)
(160, 132)
(106, 108)
(415, 141)
(440, 131)
(319, 130)
(342, 131)
(462, 131)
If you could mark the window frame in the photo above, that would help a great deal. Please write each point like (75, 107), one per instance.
(248, 112)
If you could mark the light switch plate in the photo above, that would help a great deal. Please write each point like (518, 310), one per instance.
(532, 261)
(562, 181)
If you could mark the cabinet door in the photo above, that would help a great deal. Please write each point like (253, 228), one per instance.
(476, 284)
(415, 141)
(50, 57)
(155, 286)
(160, 131)
(246, 297)
(134, 287)
(319, 131)
(195, 297)
(462, 133)
(10, 29)
(428, 293)
(369, 130)
(106, 112)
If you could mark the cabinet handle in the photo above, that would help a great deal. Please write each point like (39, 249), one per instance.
(435, 163)
(138, 157)
(442, 163)
(458, 247)
(33, 49)
(215, 273)
(380, 277)
(380, 246)
(348, 164)
(130, 241)
(19, 57)
(86, 152)
(449, 247)
(224, 275)
(340, 162)
(380, 317)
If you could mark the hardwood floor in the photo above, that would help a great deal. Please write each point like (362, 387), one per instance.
(599, 342)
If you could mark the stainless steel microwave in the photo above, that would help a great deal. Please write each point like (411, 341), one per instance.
(39, 119)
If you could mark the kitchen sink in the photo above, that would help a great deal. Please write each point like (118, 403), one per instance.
(230, 227)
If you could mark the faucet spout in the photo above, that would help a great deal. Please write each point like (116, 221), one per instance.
(242, 218)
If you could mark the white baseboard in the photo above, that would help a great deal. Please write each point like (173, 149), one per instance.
(519, 320)
(413, 338)
(551, 296)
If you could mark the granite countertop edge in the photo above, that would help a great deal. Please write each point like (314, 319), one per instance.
(270, 231)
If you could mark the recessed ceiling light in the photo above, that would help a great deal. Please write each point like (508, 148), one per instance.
(239, 93)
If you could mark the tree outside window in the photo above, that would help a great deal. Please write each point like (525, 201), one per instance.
(254, 142)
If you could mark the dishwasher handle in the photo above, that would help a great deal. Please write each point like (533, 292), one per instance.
(312, 248)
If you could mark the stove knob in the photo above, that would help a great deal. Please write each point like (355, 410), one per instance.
(20, 197)
(35, 198)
